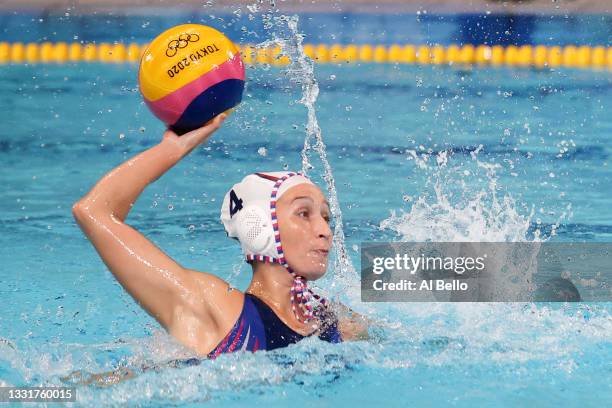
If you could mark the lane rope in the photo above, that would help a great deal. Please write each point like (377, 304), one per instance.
(539, 56)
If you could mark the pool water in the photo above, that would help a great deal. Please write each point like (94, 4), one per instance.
(417, 152)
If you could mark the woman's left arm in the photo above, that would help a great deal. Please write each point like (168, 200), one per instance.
(352, 325)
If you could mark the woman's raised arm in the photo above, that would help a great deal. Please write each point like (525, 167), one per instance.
(178, 298)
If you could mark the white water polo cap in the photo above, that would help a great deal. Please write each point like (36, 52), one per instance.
(249, 213)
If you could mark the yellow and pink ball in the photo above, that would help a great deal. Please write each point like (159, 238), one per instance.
(189, 74)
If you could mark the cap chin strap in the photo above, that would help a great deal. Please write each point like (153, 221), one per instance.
(301, 294)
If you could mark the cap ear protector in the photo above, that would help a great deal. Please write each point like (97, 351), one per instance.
(251, 225)
(248, 213)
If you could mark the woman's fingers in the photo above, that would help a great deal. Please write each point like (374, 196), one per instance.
(203, 133)
(198, 136)
(192, 139)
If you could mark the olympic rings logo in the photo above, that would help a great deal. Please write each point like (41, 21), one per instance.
(182, 42)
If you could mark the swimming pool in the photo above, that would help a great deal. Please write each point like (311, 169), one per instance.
(508, 155)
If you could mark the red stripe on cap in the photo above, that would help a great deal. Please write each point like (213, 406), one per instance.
(267, 176)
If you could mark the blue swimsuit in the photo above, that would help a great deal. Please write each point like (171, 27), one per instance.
(259, 328)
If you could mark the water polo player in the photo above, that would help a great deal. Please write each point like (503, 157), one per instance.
(281, 220)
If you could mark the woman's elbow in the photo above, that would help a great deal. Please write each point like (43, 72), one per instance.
(79, 209)
(82, 211)
(88, 214)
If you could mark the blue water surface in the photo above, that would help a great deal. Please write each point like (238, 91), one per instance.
(503, 154)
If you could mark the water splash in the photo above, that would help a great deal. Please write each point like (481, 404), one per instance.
(480, 215)
(300, 71)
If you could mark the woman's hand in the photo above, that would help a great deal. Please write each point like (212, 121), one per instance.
(352, 325)
(191, 140)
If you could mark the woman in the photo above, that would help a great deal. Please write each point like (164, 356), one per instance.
(199, 309)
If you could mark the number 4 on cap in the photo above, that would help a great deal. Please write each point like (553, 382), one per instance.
(235, 203)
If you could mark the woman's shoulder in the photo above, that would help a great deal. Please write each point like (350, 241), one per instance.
(214, 301)
(207, 287)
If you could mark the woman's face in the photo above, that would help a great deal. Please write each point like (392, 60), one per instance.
(303, 221)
